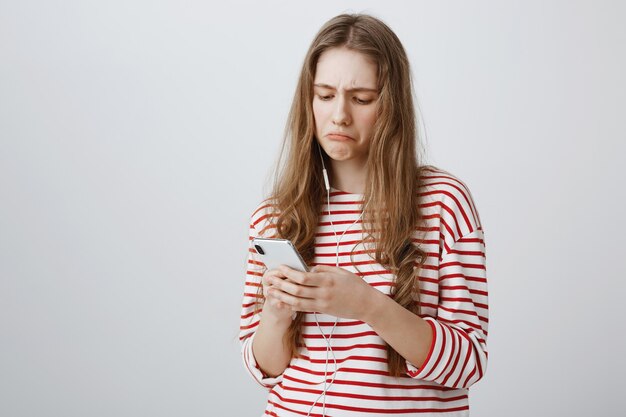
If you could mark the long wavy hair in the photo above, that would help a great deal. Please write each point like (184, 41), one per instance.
(391, 203)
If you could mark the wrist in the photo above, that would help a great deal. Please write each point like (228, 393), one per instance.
(275, 318)
(374, 306)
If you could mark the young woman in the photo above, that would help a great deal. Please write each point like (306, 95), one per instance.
(392, 317)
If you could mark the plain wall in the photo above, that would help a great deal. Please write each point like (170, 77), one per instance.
(136, 138)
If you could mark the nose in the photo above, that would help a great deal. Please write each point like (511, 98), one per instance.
(341, 112)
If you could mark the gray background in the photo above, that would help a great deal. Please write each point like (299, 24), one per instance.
(136, 138)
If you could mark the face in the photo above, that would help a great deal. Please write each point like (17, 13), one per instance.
(344, 103)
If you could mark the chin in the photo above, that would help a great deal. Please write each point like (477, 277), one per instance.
(338, 151)
(340, 156)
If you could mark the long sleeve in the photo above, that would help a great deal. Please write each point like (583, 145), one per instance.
(458, 353)
(249, 319)
(452, 298)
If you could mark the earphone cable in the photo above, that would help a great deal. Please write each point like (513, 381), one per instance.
(328, 340)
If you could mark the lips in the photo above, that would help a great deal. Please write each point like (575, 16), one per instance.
(339, 136)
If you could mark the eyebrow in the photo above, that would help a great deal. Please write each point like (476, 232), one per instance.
(330, 87)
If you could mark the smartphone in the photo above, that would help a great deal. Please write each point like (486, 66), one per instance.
(275, 252)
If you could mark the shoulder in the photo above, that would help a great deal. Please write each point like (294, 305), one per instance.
(445, 195)
(262, 218)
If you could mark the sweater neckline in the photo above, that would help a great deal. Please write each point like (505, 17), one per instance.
(342, 192)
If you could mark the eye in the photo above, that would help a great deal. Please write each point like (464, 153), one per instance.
(359, 101)
(324, 98)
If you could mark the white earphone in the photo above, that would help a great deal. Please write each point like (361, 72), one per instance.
(330, 335)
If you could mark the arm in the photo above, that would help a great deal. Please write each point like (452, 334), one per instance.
(459, 356)
(449, 348)
(410, 335)
(261, 332)
(269, 346)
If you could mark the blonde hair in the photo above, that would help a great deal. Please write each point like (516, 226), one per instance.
(392, 213)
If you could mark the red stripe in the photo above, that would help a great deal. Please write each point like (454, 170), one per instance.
(425, 241)
(457, 321)
(332, 323)
(427, 292)
(339, 381)
(356, 252)
(382, 284)
(247, 294)
(364, 409)
(263, 206)
(339, 192)
(348, 202)
(263, 231)
(331, 361)
(349, 232)
(464, 300)
(376, 397)
(466, 252)
(249, 326)
(341, 336)
(345, 370)
(461, 264)
(264, 217)
(428, 305)
(350, 347)
(471, 240)
(245, 316)
(334, 244)
(292, 410)
(459, 311)
(466, 277)
(339, 212)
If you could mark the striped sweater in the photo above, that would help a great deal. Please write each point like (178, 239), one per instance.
(453, 299)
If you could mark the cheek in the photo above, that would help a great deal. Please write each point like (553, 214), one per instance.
(368, 119)
(319, 112)
(320, 116)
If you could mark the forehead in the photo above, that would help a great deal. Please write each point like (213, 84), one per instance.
(345, 68)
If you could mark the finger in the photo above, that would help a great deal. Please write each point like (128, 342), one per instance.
(276, 303)
(275, 279)
(268, 275)
(326, 268)
(274, 273)
(302, 278)
(319, 268)
(296, 303)
(297, 290)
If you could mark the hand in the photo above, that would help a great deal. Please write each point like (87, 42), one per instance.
(273, 305)
(326, 289)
